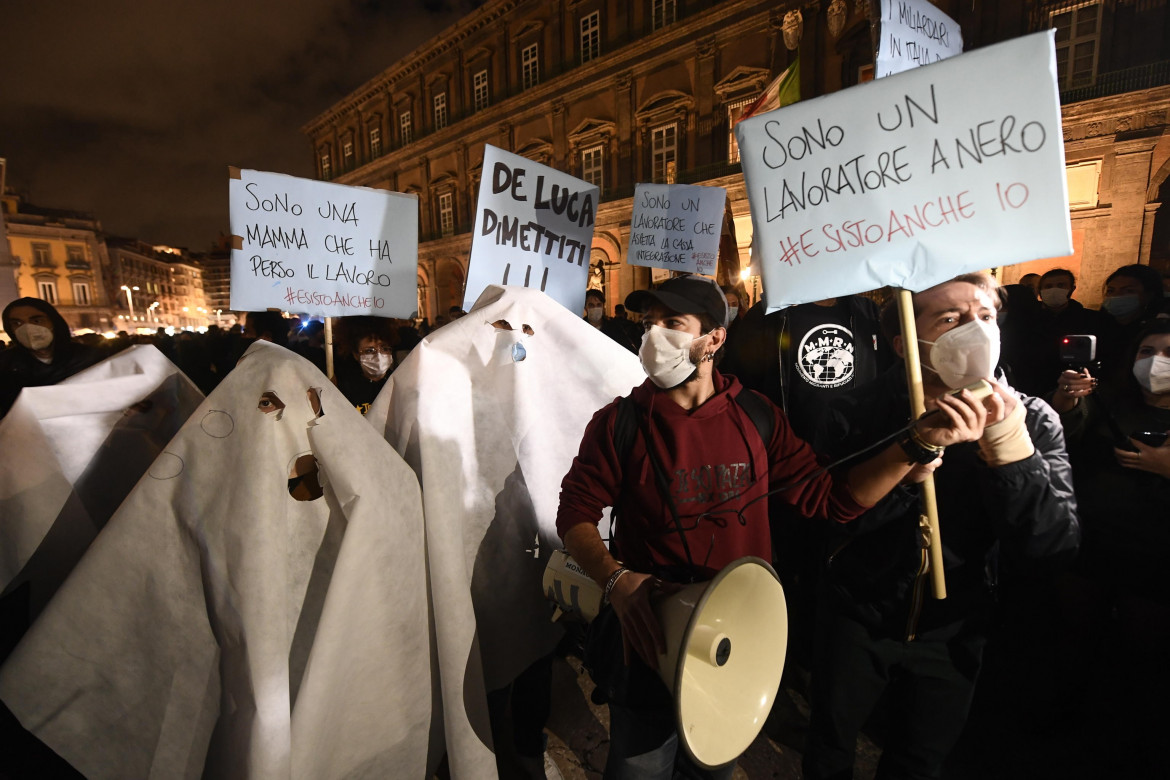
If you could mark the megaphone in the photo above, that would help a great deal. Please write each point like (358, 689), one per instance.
(726, 641)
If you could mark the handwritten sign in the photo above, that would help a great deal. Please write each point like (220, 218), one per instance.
(321, 248)
(533, 228)
(914, 33)
(676, 226)
(912, 179)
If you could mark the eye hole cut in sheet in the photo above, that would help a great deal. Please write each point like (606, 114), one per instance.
(518, 351)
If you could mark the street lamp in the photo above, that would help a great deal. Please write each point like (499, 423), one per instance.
(153, 313)
(129, 300)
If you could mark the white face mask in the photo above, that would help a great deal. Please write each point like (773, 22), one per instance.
(965, 354)
(34, 336)
(594, 313)
(732, 311)
(1054, 297)
(1153, 373)
(666, 356)
(376, 366)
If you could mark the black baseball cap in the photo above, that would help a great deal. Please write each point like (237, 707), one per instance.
(685, 294)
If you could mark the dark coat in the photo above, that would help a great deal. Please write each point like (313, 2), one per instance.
(1021, 516)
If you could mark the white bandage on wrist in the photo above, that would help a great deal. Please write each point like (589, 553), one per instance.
(1007, 441)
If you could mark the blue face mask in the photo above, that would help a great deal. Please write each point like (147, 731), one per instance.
(1121, 305)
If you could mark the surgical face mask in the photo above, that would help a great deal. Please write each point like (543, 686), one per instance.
(1153, 373)
(666, 356)
(1054, 297)
(732, 312)
(965, 354)
(1121, 305)
(375, 366)
(34, 336)
(594, 314)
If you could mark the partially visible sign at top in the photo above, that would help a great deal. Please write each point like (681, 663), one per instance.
(914, 33)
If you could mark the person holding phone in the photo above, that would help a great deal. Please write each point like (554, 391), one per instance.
(1115, 605)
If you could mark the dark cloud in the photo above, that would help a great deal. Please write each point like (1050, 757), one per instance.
(132, 109)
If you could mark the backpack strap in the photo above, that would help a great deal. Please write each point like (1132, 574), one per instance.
(625, 427)
(760, 411)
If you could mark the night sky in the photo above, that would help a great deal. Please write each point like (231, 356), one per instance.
(133, 109)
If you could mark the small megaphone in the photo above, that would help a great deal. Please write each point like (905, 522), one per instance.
(726, 641)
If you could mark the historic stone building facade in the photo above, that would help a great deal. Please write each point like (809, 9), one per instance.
(59, 256)
(155, 286)
(625, 91)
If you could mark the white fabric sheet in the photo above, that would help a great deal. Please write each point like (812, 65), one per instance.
(218, 627)
(69, 454)
(491, 438)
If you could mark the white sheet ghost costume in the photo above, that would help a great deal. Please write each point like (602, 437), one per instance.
(69, 454)
(220, 627)
(489, 411)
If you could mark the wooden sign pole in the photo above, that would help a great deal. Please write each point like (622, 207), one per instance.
(329, 347)
(917, 408)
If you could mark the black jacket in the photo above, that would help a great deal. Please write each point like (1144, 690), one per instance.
(759, 341)
(19, 368)
(1020, 517)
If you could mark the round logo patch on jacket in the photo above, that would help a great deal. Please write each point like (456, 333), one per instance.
(826, 356)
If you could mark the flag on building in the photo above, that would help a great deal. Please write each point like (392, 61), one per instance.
(783, 91)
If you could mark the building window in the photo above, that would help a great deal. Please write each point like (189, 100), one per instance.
(447, 213)
(375, 142)
(663, 13)
(530, 66)
(664, 153)
(591, 36)
(326, 167)
(734, 112)
(81, 294)
(1084, 180)
(406, 127)
(48, 292)
(593, 166)
(440, 110)
(479, 84)
(347, 155)
(41, 255)
(1078, 31)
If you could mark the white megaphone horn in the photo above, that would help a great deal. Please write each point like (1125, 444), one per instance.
(725, 646)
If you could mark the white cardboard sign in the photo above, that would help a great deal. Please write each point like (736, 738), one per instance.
(914, 33)
(322, 248)
(533, 228)
(677, 227)
(912, 179)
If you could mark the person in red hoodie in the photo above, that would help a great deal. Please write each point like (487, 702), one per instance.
(686, 494)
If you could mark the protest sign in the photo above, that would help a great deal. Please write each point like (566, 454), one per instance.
(533, 228)
(912, 179)
(677, 227)
(913, 33)
(321, 248)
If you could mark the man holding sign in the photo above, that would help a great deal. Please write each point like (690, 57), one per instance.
(700, 427)
(1006, 496)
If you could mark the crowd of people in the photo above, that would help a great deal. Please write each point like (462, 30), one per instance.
(41, 351)
(787, 436)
